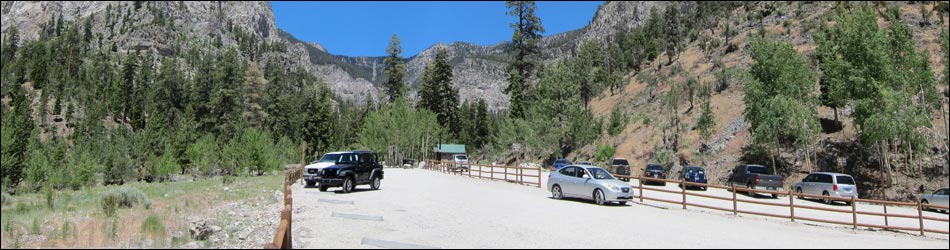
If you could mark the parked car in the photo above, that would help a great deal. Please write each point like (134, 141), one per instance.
(654, 171)
(585, 163)
(620, 166)
(560, 163)
(345, 169)
(460, 163)
(939, 198)
(828, 184)
(756, 177)
(588, 182)
(694, 174)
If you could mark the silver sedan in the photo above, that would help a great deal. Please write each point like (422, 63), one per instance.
(588, 182)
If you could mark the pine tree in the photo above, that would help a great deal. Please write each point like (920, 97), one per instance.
(253, 104)
(526, 49)
(395, 69)
(438, 95)
(17, 127)
(672, 27)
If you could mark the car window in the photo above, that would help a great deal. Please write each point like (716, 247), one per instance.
(655, 167)
(600, 174)
(620, 162)
(942, 192)
(579, 172)
(348, 158)
(461, 157)
(560, 162)
(567, 171)
(809, 178)
(757, 170)
(845, 180)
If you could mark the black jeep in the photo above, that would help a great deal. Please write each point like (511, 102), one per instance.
(345, 169)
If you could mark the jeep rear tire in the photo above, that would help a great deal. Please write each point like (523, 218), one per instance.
(323, 188)
(374, 183)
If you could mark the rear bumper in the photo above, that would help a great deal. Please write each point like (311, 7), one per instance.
(773, 189)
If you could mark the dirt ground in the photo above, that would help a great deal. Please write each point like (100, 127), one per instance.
(425, 209)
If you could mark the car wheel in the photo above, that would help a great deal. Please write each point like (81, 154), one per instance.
(374, 184)
(348, 185)
(799, 191)
(751, 193)
(599, 197)
(311, 183)
(826, 200)
(623, 203)
(925, 202)
(323, 189)
(556, 192)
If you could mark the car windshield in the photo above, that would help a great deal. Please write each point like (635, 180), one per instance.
(621, 162)
(600, 174)
(461, 157)
(330, 158)
(654, 168)
(757, 170)
(694, 170)
(845, 180)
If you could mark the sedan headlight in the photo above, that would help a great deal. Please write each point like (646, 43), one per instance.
(612, 187)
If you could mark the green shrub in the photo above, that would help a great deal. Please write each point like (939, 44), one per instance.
(153, 227)
(124, 197)
(604, 152)
(35, 226)
(6, 199)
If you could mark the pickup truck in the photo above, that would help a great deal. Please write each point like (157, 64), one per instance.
(756, 177)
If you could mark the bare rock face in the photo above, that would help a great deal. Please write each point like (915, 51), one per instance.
(162, 26)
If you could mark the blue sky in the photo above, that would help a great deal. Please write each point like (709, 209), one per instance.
(364, 28)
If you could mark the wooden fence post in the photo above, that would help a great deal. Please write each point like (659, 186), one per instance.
(791, 205)
(640, 186)
(854, 211)
(683, 188)
(492, 173)
(886, 223)
(735, 205)
(920, 216)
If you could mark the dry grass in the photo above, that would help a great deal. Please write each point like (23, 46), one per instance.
(172, 206)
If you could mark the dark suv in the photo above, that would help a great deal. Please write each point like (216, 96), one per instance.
(345, 169)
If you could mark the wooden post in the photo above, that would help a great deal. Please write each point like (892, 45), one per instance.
(683, 188)
(506, 173)
(885, 215)
(791, 205)
(920, 216)
(854, 212)
(640, 186)
(492, 173)
(735, 206)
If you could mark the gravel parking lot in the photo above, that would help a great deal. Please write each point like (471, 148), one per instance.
(424, 209)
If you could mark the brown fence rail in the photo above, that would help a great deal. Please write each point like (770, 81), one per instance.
(792, 207)
(283, 239)
(492, 172)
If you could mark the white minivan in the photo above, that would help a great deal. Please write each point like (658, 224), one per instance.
(828, 184)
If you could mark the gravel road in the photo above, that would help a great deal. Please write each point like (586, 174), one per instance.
(424, 209)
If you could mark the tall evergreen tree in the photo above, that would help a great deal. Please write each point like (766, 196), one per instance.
(395, 69)
(437, 94)
(17, 129)
(526, 49)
